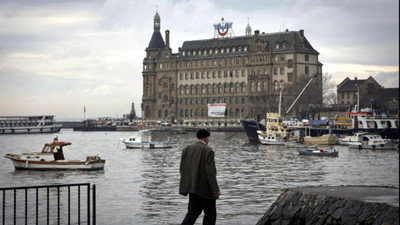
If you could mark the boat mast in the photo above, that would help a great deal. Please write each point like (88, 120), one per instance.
(312, 78)
(280, 99)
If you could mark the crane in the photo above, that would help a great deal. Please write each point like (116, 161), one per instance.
(305, 87)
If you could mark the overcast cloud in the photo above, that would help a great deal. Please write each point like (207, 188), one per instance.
(57, 56)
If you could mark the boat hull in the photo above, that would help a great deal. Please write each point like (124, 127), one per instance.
(31, 130)
(321, 140)
(317, 152)
(58, 165)
(251, 127)
(386, 146)
(150, 145)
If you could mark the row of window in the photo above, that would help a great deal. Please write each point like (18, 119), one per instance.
(204, 101)
(215, 51)
(220, 88)
(234, 73)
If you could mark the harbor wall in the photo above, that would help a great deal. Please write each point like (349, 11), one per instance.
(307, 206)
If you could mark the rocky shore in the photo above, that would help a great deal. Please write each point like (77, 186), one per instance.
(348, 205)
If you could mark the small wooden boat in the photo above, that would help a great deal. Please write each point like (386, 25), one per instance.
(142, 139)
(326, 139)
(318, 152)
(52, 158)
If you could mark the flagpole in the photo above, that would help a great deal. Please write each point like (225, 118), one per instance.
(84, 112)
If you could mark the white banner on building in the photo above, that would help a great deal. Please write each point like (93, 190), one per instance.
(216, 110)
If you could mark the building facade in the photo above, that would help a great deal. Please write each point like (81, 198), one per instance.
(245, 72)
(368, 92)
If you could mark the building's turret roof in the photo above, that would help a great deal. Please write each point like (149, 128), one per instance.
(156, 42)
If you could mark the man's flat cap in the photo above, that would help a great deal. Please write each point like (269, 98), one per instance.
(202, 133)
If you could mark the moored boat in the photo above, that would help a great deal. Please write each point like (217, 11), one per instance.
(318, 152)
(142, 139)
(275, 133)
(356, 137)
(370, 141)
(326, 139)
(52, 158)
(28, 124)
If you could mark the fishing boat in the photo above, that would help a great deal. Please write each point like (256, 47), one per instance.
(318, 152)
(52, 158)
(370, 141)
(28, 124)
(275, 133)
(142, 139)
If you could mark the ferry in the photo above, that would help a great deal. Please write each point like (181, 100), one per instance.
(28, 124)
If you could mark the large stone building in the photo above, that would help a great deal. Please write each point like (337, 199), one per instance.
(245, 72)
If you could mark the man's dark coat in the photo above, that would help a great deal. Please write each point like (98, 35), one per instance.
(198, 172)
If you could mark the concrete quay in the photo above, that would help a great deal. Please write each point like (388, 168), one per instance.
(348, 205)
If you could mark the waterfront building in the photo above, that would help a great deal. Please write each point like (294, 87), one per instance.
(370, 92)
(244, 72)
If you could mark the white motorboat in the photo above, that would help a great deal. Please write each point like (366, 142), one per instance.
(370, 141)
(142, 139)
(52, 158)
(356, 137)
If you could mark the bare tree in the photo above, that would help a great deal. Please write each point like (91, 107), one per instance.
(328, 89)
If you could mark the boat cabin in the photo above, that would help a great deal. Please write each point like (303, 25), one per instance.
(50, 152)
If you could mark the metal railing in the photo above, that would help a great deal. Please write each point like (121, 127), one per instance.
(48, 204)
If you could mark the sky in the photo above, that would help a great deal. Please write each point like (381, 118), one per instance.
(59, 57)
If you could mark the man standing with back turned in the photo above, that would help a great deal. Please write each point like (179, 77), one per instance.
(199, 180)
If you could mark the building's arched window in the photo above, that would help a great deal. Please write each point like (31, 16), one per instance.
(214, 88)
(202, 112)
(243, 101)
(237, 114)
(187, 89)
(232, 87)
(243, 87)
(165, 113)
(243, 113)
(219, 88)
(181, 89)
(252, 87)
(203, 88)
(231, 113)
(264, 87)
(237, 87)
(226, 89)
(159, 114)
(258, 86)
(186, 113)
(165, 98)
(198, 91)
(192, 89)
(208, 88)
(181, 113)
